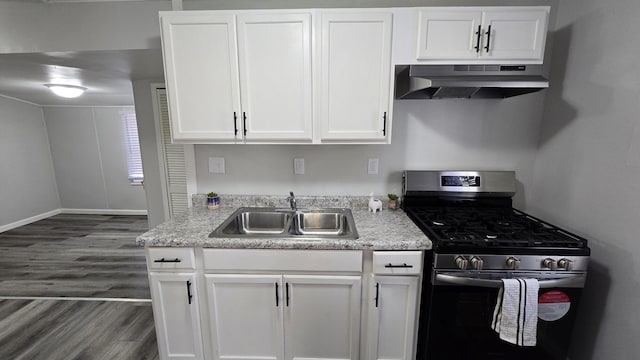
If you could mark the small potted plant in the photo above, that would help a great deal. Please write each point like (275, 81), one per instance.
(213, 201)
(393, 201)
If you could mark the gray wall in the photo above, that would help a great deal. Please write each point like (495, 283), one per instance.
(27, 183)
(441, 134)
(587, 172)
(89, 155)
(37, 27)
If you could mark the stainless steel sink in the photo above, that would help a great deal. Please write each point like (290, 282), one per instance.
(254, 222)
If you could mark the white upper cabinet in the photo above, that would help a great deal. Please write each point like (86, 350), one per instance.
(275, 74)
(451, 35)
(448, 34)
(201, 70)
(355, 76)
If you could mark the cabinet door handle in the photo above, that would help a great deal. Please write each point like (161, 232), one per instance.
(235, 124)
(189, 296)
(377, 293)
(286, 287)
(277, 301)
(163, 260)
(478, 36)
(404, 265)
(244, 123)
(384, 124)
(488, 38)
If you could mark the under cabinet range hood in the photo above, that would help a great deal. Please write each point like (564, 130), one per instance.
(467, 81)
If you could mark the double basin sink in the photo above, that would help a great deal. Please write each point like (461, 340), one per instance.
(264, 222)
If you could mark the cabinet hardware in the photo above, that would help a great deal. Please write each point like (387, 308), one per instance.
(235, 124)
(163, 260)
(404, 265)
(286, 287)
(478, 36)
(488, 38)
(377, 293)
(189, 291)
(384, 124)
(244, 123)
(277, 295)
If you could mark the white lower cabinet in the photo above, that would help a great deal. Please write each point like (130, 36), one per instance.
(322, 317)
(283, 316)
(176, 314)
(392, 317)
(259, 304)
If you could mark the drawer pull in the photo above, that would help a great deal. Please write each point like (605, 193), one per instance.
(163, 260)
(404, 265)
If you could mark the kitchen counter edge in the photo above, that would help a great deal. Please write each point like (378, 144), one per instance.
(386, 230)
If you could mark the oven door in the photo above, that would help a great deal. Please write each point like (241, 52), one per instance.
(461, 309)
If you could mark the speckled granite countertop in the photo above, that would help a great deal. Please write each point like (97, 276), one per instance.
(386, 230)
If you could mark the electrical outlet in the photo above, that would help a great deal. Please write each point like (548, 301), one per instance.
(372, 167)
(216, 165)
(298, 166)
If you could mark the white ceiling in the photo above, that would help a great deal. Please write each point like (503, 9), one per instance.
(106, 74)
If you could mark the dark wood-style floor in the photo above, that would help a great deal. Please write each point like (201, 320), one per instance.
(67, 257)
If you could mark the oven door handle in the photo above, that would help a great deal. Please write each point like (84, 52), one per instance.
(567, 282)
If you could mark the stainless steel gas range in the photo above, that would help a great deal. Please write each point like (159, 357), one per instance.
(478, 240)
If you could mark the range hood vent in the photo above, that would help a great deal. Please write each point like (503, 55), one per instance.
(467, 81)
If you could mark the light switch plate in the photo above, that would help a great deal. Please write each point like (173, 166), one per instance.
(372, 167)
(298, 166)
(216, 165)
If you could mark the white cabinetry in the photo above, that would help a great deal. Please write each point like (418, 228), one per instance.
(202, 78)
(226, 82)
(279, 76)
(174, 293)
(466, 33)
(393, 305)
(285, 315)
(275, 75)
(245, 316)
(355, 75)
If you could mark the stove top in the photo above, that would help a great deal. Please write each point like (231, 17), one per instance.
(492, 230)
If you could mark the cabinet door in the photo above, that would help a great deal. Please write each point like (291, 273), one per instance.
(246, 316)
(176, 314)
(355, 75)
(448, 34)
(515, 34)
(275, 75)
(201, 70)
(393, 315)
(322, 317)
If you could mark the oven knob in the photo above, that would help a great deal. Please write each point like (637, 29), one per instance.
(461, 262)
(550, 264)
(565, 264)
(476, 262)
(513, 263)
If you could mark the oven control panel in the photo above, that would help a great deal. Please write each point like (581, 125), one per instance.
(474, 262)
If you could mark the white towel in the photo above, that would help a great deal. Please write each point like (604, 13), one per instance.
(515, 317)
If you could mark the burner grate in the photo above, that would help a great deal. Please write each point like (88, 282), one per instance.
(490, 227)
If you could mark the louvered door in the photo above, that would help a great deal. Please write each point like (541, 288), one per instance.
(174, 162)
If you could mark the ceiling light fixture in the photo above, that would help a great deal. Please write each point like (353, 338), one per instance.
(67, 91)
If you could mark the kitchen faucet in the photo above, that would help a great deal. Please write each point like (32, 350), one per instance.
(292, 201)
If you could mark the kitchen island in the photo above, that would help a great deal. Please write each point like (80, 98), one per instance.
(282, 298)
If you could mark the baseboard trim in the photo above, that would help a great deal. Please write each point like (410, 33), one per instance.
(104, 211)
(29, 220)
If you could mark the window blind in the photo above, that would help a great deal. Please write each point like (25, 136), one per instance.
(134, 159)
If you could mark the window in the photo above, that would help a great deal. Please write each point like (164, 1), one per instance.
(134, 159)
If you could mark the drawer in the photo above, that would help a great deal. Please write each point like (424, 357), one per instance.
(282, 260)
(170, 258)
(397, 262)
